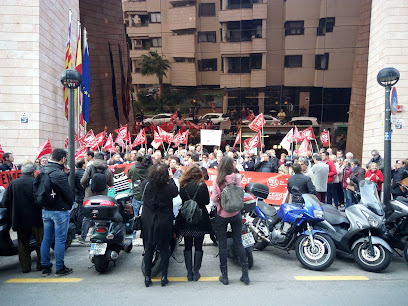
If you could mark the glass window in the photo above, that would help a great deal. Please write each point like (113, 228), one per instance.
(256, 61)
(156, 42)
(238, 65)
(293, 61)
(207, 64)
(294, 28)
(322, 61)
(155, 17)
(206, 36)
(206, 10)
(326, 25)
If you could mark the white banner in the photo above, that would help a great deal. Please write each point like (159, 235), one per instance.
(211, 137)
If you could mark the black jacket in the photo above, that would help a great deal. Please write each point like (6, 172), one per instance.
(19, 201)
(60, 185)
(203, 199)
(79, 190)
(157, 213)
(299, 184)
(398, 176)
(138, 172)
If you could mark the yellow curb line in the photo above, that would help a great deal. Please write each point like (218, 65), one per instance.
(42, 280)
(184, 279)
(331, 278)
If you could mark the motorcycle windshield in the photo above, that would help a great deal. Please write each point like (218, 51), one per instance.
(369, 197)
(311, 201)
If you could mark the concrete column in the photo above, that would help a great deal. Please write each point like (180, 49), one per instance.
(225, 103)
(261, 102)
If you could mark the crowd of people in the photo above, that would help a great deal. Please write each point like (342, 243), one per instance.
(326, 174)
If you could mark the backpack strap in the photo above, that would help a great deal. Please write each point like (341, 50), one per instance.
(235, 182)
(195, 194)
(144, 189)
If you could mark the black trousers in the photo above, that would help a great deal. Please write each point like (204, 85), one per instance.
(196, 241)
(24, 251)
(220, 227)
(148, 257)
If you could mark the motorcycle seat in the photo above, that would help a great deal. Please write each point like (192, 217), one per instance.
(333, 216)
(267, 209)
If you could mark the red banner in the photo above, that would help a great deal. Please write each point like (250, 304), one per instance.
(7, 176)
(258, 123)
(44, 149)
(325, 138)
(252, 142)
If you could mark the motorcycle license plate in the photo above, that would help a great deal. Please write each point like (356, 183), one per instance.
(98, 248)
(247, 240)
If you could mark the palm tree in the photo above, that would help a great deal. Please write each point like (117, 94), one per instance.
(154, 64)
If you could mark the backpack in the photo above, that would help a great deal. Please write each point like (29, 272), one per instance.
(98, 183)
(44, 194)
(190, 210)
(232, 197)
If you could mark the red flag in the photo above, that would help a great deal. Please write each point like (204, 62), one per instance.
(308, 134)
(109, 145)
(251, 117)
(157, 141)
(258, 123)
(180, 122)
(304, 148)
(287, 140)
(237, 139)
(81, 153)
(192, 125)
(88, 140)
(253, 142)
(166, 137)
(140, 139)
(66, 142)
(44, 149)
(177, 139)
(122, 131)
(174, 116)
(1, 152)
(184, 137)
(296, 135)
(167, 126)
(325, 138)
(99, 140)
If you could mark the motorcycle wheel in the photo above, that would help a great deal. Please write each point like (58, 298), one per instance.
(156, 265)
(260, 244)
(128, 248)
(101, 264)
(68, 242)
(317, 259)
(406, 251)
(377, 263)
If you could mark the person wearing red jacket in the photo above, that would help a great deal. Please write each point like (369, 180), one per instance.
(331, 191)
(376, 176)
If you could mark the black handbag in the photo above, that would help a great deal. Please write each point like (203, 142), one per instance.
(137, 225)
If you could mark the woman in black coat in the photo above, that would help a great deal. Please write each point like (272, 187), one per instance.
(157, 217)
(192, 183)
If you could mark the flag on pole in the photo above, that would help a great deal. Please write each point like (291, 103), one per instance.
(237, 139)
(296, 135)
(1, 152)
(122, 132)
(253, 142)
(68, 62)
(304, 148)
(88, 140)
(325, 138)
(78, 67)
(258, 123)
(140, 139)
(115, 98)
(86, 81)
(44, 149)
(99, 140)
(81, 153)
(109, 145)
(251, 117)
(157, 141)
(287, 140)
(308, 134)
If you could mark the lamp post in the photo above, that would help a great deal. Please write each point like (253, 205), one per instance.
(71, 79)
(387, 78)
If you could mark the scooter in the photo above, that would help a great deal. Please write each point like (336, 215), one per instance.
(113, 229)
(360, 232)
(292, 227)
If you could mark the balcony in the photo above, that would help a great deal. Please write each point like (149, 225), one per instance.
(138, 30)
(259, 45)
(134, 6)
(182, 18)
(235, 80)
(257, 11)
(137, 78)
(236, 47)
(182, 45)
(183, 74)
(138, 52)
(258, 78)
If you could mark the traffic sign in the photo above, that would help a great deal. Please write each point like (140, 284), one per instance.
(394, 101)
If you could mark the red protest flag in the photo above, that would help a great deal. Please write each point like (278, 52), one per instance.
(258, 123)
(81, 153)
(100, 138)
(177, 139)
(44, 149)
(122, 131)
(165, 136)
(308, 134)
(180, 122)
(304, 148)
(237, 139)
(167, 126)
(251, 117)
(66, 142)
(253, 142)
(157, 141)
(109, 145)
(184, 137)
(325, 138)
(88, 140)
(192, 125)
(296, 135)
(1, 152)
(140, 139)
(174, 116)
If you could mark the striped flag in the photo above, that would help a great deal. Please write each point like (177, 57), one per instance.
(68, 62)
(78, 67)
(86, 81)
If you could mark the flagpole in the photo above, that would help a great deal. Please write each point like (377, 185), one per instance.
(328, 132)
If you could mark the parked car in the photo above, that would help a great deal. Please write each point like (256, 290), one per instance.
(158, 119)
(215, 118)
(270, 120)
(304, 121)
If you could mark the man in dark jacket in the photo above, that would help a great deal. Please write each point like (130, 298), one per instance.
(79, 198)
(299, 184)
(56, 218)
(138, 173)
(249, 164)
(25, 216)
(399, 175)
(376, 159)
(264, 164)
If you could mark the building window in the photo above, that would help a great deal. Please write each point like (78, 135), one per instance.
(322, 61)
(238, 65)
(155, 17)
(207, 37)
(156, 42)
(256, 60)
(207, 64)
(294, 28)
(238, 4)
(293, 61)
(184, 59)
(326, 25)
(206, 10)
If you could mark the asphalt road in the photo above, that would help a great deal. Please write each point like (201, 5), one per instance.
(274, 281)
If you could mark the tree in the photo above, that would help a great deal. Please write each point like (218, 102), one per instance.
(154, 64)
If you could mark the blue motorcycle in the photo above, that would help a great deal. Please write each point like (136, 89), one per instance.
(292, 227)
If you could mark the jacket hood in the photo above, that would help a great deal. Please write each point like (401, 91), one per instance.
(100, 164)
(52, 166)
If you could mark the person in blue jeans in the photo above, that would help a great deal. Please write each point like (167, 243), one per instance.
(56, 218)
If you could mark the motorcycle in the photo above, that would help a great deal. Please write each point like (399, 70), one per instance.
(292, 227)
(360, 232)
(248, 240)
(113, 231)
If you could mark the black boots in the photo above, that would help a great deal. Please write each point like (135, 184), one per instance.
(198, 258)
(245, 278)
(224, 275)
(164, 280)
(147, 281)
(188, 259)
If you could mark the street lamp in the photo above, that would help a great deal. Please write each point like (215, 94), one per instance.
(71, 79)
(387, 78)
